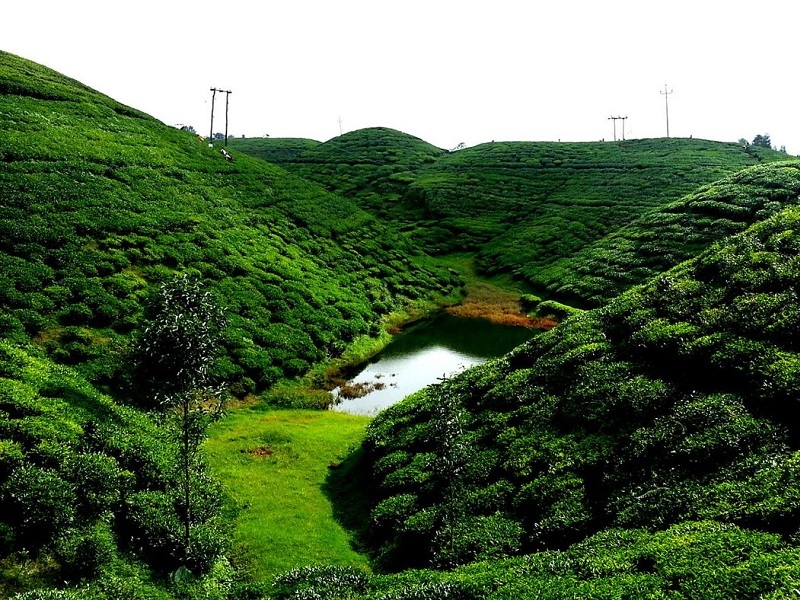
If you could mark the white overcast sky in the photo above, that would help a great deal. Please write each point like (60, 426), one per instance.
(447, 71)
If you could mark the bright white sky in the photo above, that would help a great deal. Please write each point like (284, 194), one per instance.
(448, 71)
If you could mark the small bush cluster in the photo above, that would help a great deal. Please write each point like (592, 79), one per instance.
(83, 479)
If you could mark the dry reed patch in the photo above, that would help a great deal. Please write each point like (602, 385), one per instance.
(484, 301)
(353, 389)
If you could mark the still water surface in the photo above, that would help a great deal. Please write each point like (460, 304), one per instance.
(427, 352)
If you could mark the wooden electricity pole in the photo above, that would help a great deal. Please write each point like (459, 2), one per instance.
(213, 97)
(227, 95)
(614, 119)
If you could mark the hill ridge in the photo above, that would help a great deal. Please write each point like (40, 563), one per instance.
(518, 207)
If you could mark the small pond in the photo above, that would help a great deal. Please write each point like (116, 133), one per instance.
(427, 352)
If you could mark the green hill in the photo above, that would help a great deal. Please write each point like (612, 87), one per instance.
(647, 448)
(662, 238)
(100, 203)
(372, 166)
(519, 207)
(673, 403)
(274, 150)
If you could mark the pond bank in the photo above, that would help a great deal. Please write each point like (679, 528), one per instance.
(481, 300)
(421, 356)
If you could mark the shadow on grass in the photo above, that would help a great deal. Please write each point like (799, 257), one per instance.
(348, 487)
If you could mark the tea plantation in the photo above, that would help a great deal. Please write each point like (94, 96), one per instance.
(100, 203)
(526, 208)
(647, 447)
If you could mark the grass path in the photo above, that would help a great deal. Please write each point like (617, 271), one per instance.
(274, 464)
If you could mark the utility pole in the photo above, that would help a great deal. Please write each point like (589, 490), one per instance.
(614, 119)
(340, 125)
(227, 95)
(666, 104)
(213, 97)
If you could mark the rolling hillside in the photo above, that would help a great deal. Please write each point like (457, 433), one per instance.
(673, 404)
(100, 203)
(666, 236)
(647, 448)
(371, 166)
(274, 150)
(519, 207)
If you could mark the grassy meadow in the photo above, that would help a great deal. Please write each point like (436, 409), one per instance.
(275, 464)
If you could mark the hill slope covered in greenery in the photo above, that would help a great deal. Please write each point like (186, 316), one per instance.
(274, 150)
(100, 203)
(520, 207)
(666, 236)
(674, 403)
(371, 166)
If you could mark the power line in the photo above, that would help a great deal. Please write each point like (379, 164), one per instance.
(666, 94)
(227, 95)
(615, 119)
(213, 98)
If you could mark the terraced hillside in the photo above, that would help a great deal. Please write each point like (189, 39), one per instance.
(519, 207)
(669, 409)
(664, 237)
(372, 166)
(100, 203)
(274, 150)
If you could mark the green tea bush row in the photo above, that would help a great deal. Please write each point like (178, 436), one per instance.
(84, 479)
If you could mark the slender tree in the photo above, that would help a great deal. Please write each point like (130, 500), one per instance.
(175, 353)
(452, 453)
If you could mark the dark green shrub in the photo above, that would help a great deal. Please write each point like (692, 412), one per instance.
(40, 503)
(153, 528)
(476, 538)
(101, 483)
(529, 302)
(82, 553)
(551, 308)
(320, 583)
(52, 595)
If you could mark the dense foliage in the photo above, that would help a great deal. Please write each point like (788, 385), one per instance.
(646, 448)
(274, 150)
(700, 560)
(373, 166)
(664, 237)
(101, 203)
(85, 481)
(521, 207)
(674, 402)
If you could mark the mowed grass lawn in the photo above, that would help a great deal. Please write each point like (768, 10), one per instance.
(274, 464)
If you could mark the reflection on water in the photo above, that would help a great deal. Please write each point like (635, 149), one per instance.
(428, 352)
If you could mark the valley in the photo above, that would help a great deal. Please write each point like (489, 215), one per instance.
(638, 440)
